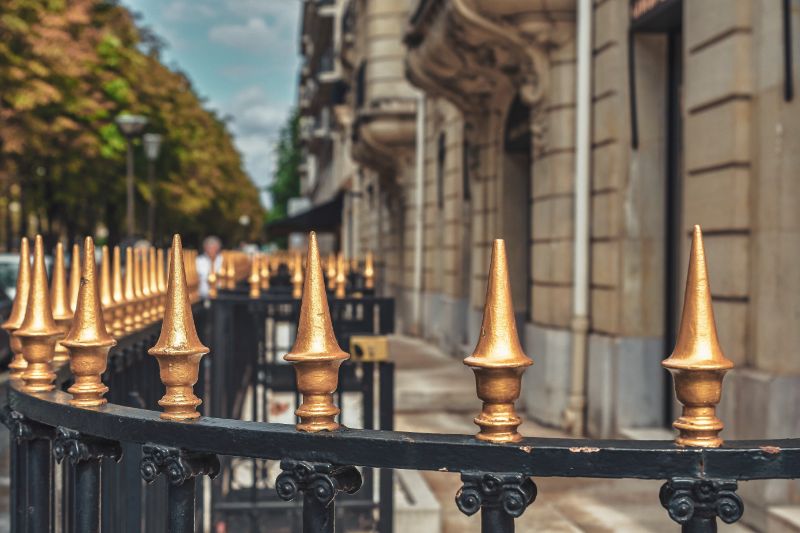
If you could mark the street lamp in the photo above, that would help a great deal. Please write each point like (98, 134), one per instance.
(130, 126)
(152, 145)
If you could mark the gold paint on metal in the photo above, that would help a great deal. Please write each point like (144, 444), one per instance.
(59, 299)
(154, 294)
(254, 279)
(142, 264)
(697, 363)
(133, 319)
(331, 272)
(230, 273)
(297, 276)
(178, 349)
(38, 332)
(74, 276)
(17, 365)
(498, 360)
(88, 340)
(316, 355)
(263, 272)
(106, 290)
(369, 271)
(341, 279)
(118, 293)
(212, 280)
(161, 281)
(369, 347)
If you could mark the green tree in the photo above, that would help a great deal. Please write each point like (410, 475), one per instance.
(286, 181)
(67, 69)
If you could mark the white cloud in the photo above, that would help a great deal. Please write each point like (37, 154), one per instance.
(256, 124)
(182, 10)
(253, 36)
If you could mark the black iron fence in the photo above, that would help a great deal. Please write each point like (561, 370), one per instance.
(321, 461)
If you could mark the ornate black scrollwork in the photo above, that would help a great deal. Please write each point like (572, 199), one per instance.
(321, 480)
(178, 465)
(22, 428)
(79, 448)
(689, 498)
(511, 492)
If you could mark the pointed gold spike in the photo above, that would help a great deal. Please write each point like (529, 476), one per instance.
(133, 320)
(369, 272)
(106, 289)
(263, 272)
(162, 282)
(316, 354)
(212, 280)
(498, 360)
(59, 299)
(74, 276)
(118, 323)
(88, 340)
(178, 349)
(330, 273)
(38, 332)
(297, 276)
(697, 363)
(17, 365)
(153, 277)
(254, 279)
(144, 277)
(230, 273)
(341, 278)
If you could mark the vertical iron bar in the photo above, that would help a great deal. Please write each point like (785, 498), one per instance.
(700, 525)
(180, 499)
(18, 485)
(788, 64)
(495, 520)
(386, 422)
(40, 476)
(317, 517)
(87, 496)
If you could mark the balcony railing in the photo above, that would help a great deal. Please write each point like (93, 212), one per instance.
(319, 458)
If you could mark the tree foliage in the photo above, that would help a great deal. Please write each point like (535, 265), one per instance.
(286, 182)
(67, 69)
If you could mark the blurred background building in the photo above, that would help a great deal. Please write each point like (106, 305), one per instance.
(439, 125)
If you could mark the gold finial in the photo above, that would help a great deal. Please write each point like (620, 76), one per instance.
(697, 363)
(230, 272)
(118, 294)
(88, 340)
(17, 365)
(38, 332)
(133, 319)
(316, 355)
(153, 277)
(498, 360)
(161, 282)
(369, 272)
(263, 272)
(341, 279)
(331, 272)
(74, 276)
(297, 276)
(106, 289)
(59, 299)
(144, 277)
(212, 279)
(178, 349)
(254, 279)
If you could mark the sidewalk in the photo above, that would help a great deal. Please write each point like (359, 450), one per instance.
(436, 394)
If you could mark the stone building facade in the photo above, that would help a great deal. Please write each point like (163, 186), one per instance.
(460, 122)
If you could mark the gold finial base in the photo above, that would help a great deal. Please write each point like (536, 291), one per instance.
(180, 403)
(499, 388)
(18, 364)
(38, 375)
(88, 392)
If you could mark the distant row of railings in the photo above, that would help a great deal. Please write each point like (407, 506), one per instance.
(322, 455)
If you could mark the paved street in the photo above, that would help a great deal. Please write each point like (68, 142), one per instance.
(436, 393)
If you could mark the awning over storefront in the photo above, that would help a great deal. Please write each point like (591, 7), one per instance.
(322, 218)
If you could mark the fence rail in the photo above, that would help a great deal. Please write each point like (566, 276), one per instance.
(497, 465)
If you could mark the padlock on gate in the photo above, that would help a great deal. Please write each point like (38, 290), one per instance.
(369, 348)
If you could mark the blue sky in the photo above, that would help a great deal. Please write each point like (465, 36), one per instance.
(242, 56)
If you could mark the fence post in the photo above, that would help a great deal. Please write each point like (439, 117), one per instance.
(501, 497)
(695, 504)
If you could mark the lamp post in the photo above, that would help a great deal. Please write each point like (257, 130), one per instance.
(130, 126)
(152, 146)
